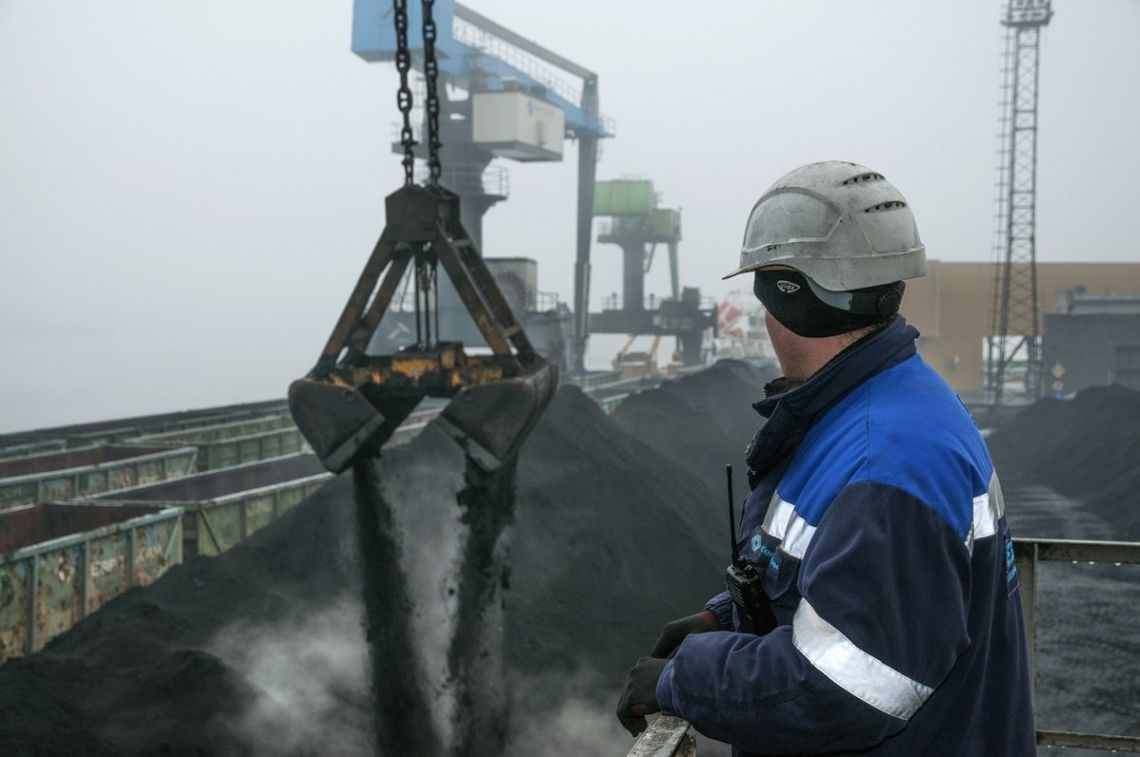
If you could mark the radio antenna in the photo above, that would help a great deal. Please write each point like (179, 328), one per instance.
(731, 517)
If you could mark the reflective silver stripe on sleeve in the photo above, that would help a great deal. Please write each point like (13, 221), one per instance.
(852, 669)
(784, 523)
(776, 519)
(797, 536)
(988, 511)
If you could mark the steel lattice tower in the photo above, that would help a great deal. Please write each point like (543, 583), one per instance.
(1015, 334)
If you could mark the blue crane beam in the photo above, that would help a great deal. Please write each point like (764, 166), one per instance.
(374, 40)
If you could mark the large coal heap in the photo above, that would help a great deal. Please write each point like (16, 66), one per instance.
(1087, 448)
(619, 528)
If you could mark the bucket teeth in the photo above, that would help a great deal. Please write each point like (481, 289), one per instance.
(491, 421)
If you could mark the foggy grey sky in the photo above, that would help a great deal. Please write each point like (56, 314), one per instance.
(188, 190)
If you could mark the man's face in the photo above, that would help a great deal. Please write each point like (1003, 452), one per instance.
(787, 345)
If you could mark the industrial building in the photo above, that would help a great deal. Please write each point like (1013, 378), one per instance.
(953, 306)
(1092, 340)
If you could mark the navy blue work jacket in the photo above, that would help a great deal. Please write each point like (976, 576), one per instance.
(877, 523)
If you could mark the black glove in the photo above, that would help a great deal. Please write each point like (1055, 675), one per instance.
(639, 697)
(675, 631)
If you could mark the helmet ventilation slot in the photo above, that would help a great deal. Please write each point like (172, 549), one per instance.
(863, 178)
(884, 206)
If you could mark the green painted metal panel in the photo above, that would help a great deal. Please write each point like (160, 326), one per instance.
(119, 478)
(91, 483)
(195, 539)
(125, 468)
(260, 511)
(32, 448)
(148, 472)
(13, 609)
(665, 223)
(213, 526)
(177, 466)
(58, 599)
(270, 447)
(224, 506)
(108, 569)
(157, 548)
(221, 431)
(292, 443)
(603, 198)
(107, 432)
(249, 449)
(219, 527)
(291, 498)
(13, 494)
(58, 489)
(219, 456)
(47, 587)
(623, 197)
(660, 225)
(218, 453)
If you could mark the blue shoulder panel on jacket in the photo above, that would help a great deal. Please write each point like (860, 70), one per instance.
(904, 427)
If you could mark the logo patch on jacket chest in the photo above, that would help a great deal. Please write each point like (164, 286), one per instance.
(1010, 566)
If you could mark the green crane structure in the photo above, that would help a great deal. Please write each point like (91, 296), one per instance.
(638, 226)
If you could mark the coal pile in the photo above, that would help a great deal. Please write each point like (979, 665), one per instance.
(261, 651)
(1071, 469)
(1087, 449)
(714, 404)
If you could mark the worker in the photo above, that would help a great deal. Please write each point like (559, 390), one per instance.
(875, 523)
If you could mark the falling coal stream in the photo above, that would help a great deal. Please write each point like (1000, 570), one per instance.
(403, 718)
(475, 657)
(475, 670)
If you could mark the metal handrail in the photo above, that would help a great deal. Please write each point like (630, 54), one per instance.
(1028, 553)
(666, 736)
(669, 736)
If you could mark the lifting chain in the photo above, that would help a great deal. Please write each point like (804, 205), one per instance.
(431, 73)
(404, 94)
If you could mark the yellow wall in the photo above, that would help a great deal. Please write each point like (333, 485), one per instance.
(953, 308)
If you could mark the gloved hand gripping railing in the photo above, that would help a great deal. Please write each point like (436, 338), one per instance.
(666, 736)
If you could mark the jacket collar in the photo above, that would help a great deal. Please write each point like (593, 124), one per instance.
(792, 413)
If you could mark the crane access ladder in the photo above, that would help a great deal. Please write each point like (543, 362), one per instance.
(669, 736)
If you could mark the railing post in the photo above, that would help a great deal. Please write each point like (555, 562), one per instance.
(1026, 557)
(85, 584)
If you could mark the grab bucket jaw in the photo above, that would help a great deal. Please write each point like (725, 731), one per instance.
(340, 423)
(491, 421)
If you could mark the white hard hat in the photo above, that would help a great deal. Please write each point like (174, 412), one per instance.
(840, 224)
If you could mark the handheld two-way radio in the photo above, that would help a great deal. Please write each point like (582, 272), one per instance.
(753, 607)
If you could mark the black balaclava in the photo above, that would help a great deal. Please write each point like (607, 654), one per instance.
(796, 303)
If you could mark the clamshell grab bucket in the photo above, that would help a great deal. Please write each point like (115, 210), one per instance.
(352, 402)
